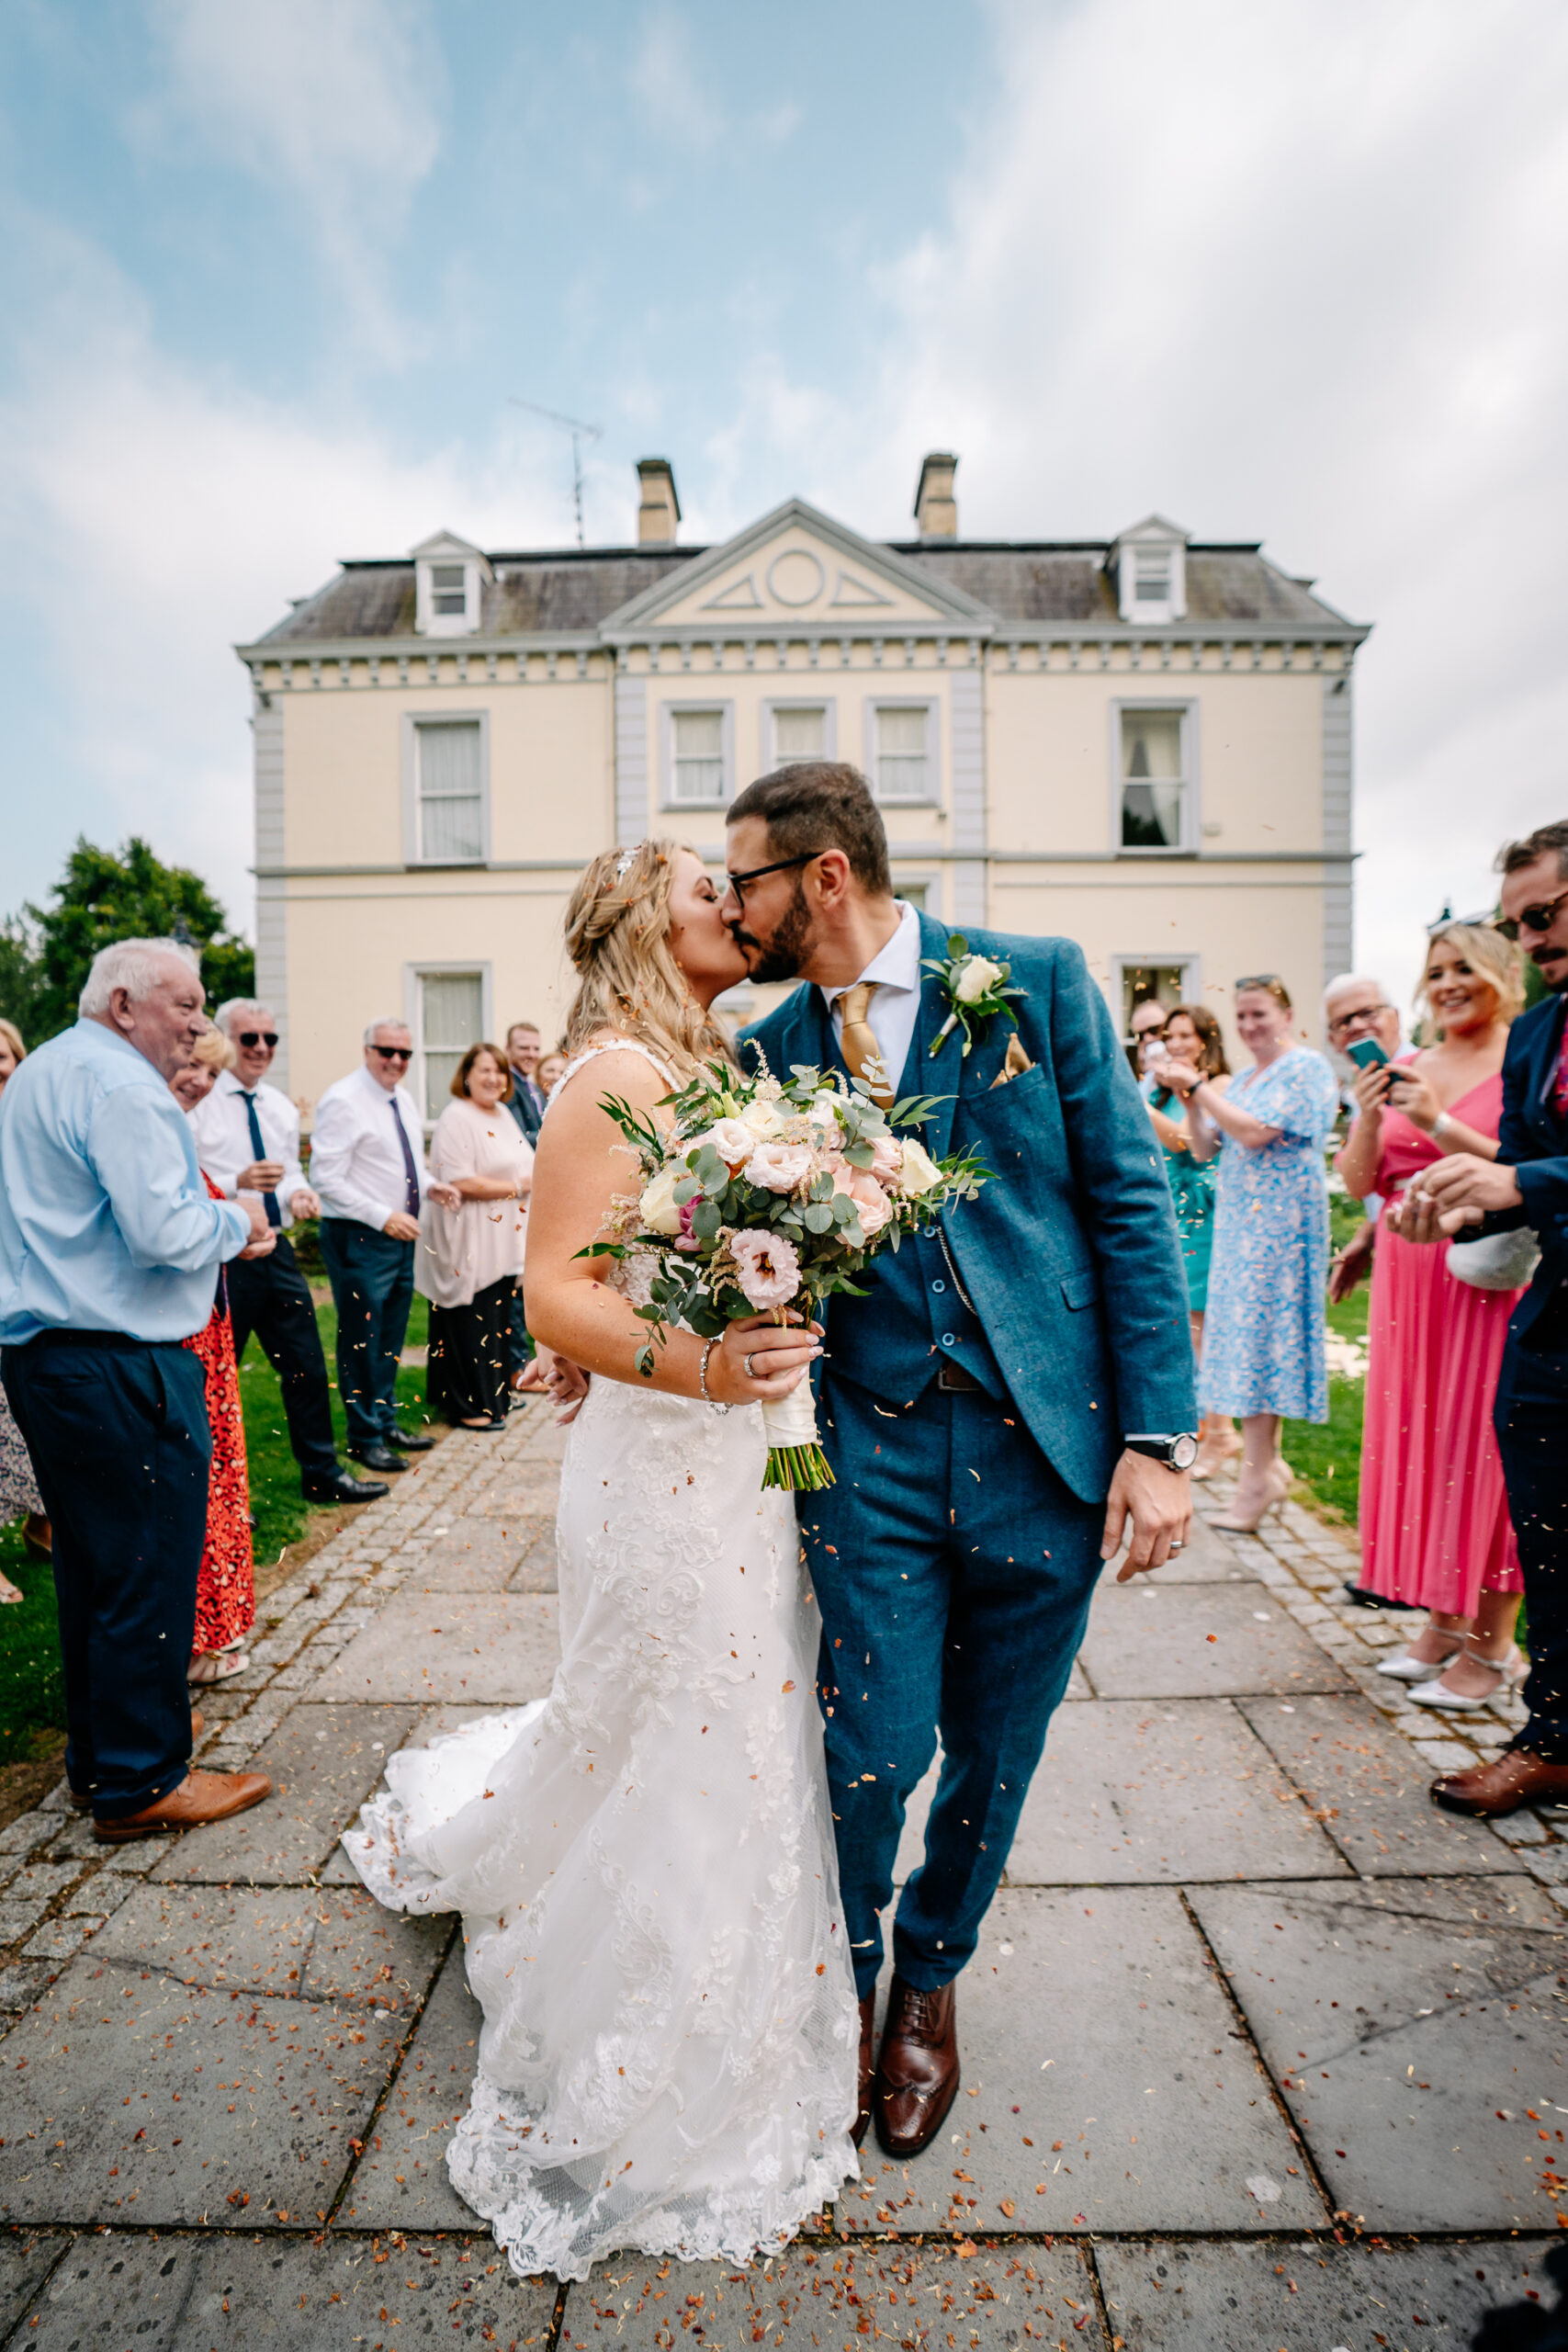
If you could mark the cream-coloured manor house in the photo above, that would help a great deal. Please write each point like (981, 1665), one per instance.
(1143, 743)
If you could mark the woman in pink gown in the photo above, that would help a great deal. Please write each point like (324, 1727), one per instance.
(1434, 1526)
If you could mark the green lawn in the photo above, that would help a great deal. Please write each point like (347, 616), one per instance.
(31, 1688)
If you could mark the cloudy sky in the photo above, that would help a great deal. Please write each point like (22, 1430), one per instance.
(274, 271)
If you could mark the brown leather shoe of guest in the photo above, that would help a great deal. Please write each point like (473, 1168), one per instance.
(867, 2065)
(917, 2074)
(200, 1796)
(1514, 1779)
(198, 1725)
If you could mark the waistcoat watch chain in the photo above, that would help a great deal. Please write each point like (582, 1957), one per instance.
(957, 1277)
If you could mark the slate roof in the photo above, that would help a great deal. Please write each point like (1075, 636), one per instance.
(573, 591)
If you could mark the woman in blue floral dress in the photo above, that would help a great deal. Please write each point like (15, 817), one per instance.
(1263, 1337)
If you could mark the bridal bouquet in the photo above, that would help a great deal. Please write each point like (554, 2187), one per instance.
(768, 1194)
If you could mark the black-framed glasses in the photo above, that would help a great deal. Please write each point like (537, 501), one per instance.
(257, 1037)
(1538, 918)
(1368, 1012)
(394, 1053)
(741, 883)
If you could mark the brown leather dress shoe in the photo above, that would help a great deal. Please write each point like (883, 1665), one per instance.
(1513, 1778)
(198, 1725)
(917, 2074)
(867, 2065)
(200, 1796)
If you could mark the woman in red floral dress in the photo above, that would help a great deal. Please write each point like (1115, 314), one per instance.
(225, 1591)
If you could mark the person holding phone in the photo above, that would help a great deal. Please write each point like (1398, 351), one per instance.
(1434, 1526)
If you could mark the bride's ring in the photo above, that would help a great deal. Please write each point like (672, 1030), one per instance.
(750, 1374)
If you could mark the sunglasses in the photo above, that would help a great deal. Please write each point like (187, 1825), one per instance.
(1541, 918)
(741, 883)
(394, 1053)
(1260, 980)
(257, 1037)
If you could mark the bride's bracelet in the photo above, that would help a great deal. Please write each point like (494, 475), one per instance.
(708, 1398)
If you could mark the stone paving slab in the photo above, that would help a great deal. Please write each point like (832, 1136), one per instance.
(1239, 2298)
(330, 1945)
(1372, 1788)
(1148, 1640)
(1411, 2029)
(239, 2293)
(529, 1489)
(492, 1648)
(1205, 1558)
(1136, 1792)
(25, 2262)
(537, 1570)
(1091, 2027)
(324, 1762)
(400, 2180)
(991, 2299)
(476, 1556)
(246, 2097)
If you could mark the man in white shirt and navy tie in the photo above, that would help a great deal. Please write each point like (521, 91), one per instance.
(368, 1158)
(247, 1138)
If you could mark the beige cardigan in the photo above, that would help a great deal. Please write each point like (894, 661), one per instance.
(464, 1250)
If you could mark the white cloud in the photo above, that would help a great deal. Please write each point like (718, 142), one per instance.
(667, 80)
(1291, 272)
(332, 102)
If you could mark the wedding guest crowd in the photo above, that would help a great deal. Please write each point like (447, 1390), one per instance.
(109, 1252)
(468, 1264)
(1191, 1039)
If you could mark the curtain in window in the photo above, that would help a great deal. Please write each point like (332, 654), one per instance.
(1151, 770)
(798, 735)
(699, 755)
(451, 1019)
(901, 767)
(451, 804)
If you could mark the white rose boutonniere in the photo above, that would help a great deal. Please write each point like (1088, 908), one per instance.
(976, 987)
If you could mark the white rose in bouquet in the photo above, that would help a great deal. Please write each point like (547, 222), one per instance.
(761, 1117)
(920, 1172)
(658, 1207)
(976, 976)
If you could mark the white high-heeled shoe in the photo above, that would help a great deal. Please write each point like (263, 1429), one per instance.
(1510, 1672)
(1407, 1668)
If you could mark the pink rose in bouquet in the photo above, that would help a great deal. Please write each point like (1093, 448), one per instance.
(888, 1158)
(872, 1204)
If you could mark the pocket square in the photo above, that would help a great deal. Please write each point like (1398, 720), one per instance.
(1015, 1065)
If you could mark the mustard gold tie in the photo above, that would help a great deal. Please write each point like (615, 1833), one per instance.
(862, 1055)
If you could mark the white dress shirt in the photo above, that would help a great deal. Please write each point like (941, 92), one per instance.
(356, 1165)
(221, 1131)
(895, 1006)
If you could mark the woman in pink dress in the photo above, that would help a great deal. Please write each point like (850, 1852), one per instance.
(1434, 1526)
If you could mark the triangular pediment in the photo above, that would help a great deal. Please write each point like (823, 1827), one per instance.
(798, 568)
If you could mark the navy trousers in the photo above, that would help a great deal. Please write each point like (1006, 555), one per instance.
(1531, 1423)
(372, 1280)
(954, 1572)
(120, 1441)
(271, 1297)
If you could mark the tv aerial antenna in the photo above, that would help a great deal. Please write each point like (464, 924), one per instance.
(580, 433)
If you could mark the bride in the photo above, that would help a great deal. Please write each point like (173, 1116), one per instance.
(643, 1860)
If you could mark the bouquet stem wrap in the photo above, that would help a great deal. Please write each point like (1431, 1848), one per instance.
(796, 1459)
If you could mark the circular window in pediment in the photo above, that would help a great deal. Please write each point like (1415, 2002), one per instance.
(795, 577)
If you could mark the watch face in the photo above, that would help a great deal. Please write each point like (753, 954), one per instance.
(1183, 1452)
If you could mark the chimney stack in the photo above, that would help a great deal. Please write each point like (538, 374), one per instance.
(660, 510)
(936, 509)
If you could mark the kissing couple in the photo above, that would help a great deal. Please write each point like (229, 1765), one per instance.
(672, 1870)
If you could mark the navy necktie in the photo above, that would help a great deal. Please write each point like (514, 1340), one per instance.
(411, 1174)
(269, 1200)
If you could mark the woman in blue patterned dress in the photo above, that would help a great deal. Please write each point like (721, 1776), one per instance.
(1263, 1351)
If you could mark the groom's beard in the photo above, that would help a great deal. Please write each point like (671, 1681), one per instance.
(790, 945)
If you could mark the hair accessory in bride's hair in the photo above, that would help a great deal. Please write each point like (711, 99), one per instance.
(626, 859)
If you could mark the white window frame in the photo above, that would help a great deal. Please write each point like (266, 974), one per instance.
(432, 968)
(928, 880)
(427, 621)
(1192, 815)
(437, 717)
(1191, 979)
(931, 704)
(826, 704)
(1151, 612)
(690, 705)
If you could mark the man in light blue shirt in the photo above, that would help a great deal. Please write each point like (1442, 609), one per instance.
(109, 1254)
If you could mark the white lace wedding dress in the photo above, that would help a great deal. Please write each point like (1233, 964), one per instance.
(644, 1865)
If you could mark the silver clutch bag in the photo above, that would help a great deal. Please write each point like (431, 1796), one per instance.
(1496, 1261)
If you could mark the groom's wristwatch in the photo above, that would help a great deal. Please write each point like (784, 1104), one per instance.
(1177, 1453)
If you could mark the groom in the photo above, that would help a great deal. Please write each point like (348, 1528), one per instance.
(1016, 1390)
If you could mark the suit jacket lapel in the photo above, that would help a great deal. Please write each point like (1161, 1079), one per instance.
(938, 1074)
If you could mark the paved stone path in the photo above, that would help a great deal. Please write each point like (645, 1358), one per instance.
(1260, 2050)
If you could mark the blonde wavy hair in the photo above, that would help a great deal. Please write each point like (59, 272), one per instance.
(617, 935)
(1487, 952)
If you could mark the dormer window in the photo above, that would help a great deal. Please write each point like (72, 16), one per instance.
(1149, 563)
(449, 577)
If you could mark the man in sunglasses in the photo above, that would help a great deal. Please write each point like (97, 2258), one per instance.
(369, 1161)
(1463, 1197)
(247, 1138)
